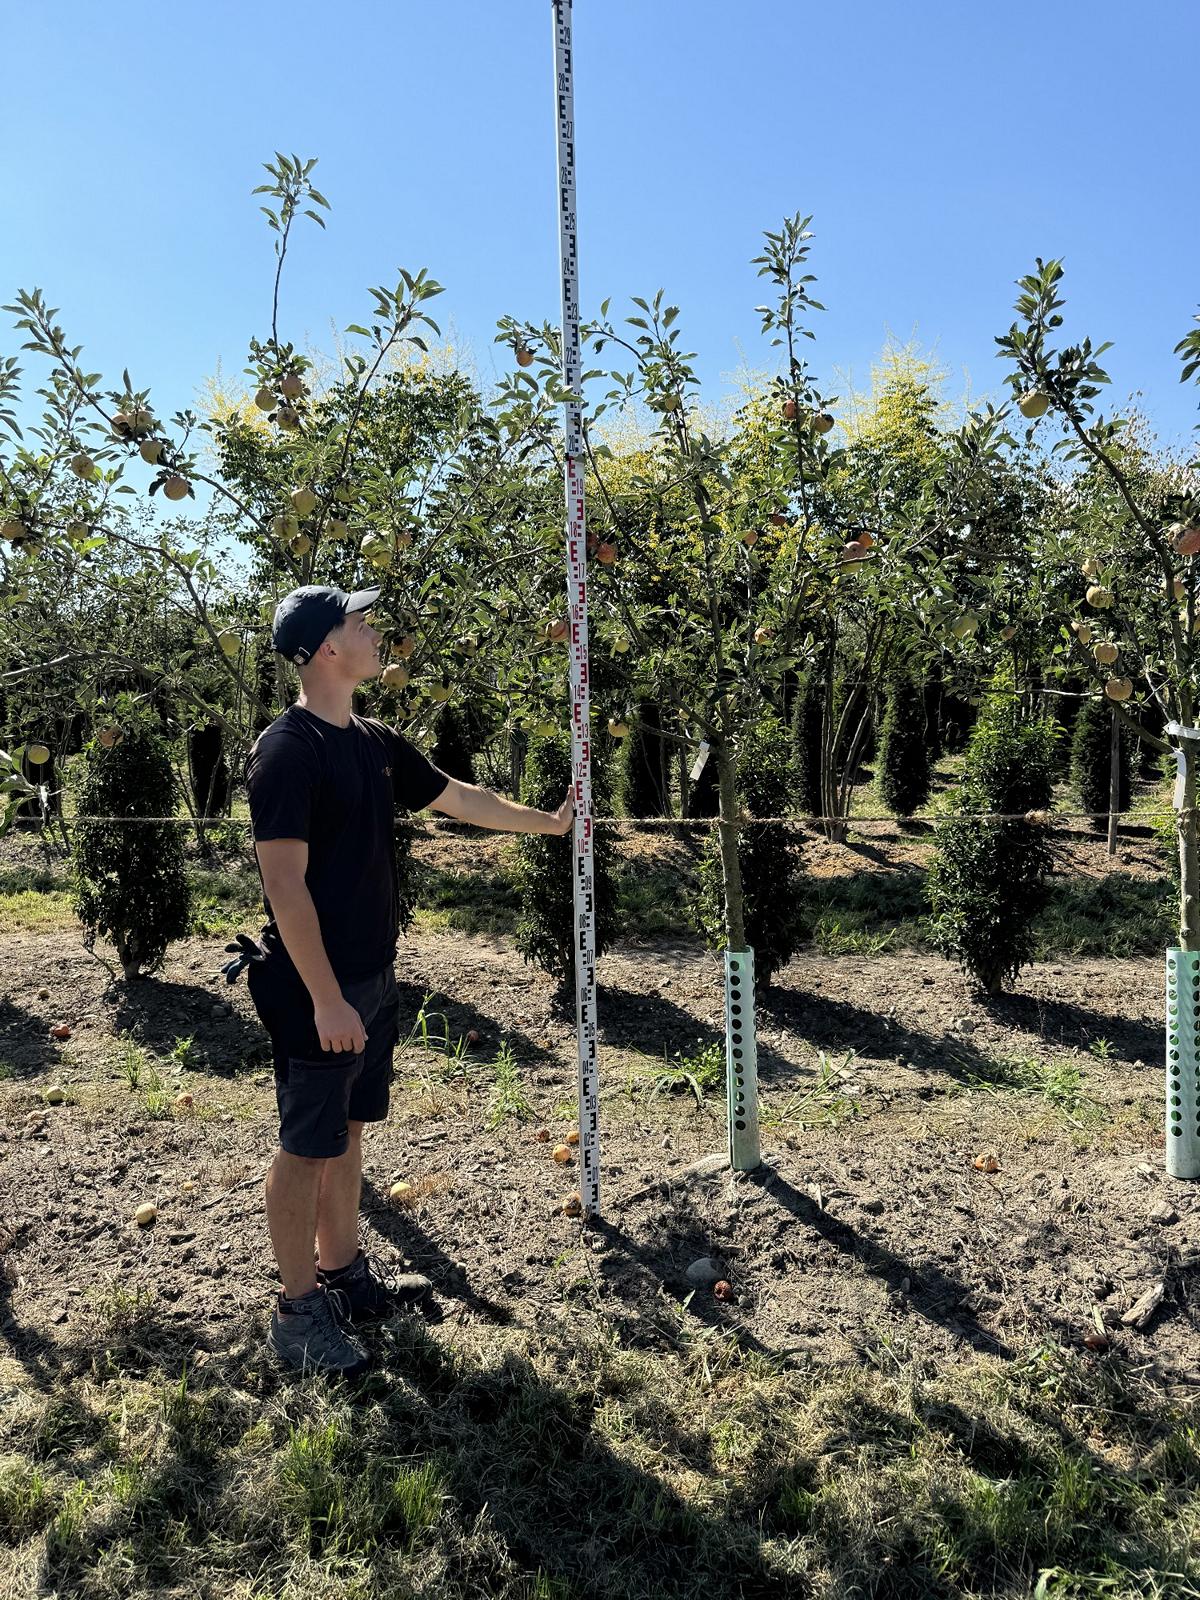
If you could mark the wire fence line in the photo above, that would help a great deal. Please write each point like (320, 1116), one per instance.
(1043, 818)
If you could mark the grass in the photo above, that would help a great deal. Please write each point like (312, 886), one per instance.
(826, 1103)
(565, 1464)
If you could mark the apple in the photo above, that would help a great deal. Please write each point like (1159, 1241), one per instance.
(821, 422)
(1180, 587)
(109, 737)
(145, 1214)
(230, 641)
(288, 417)
(778, 520)
(394, 676)
(150, 450)
(291, 385)
(562, 1153)
(1082, 632)
(557, 630)
(300, 545)
(670, 401)
(1185, 537)
(184, 1101)
(573, 1206)
(175, 488)
(304, 501)
(621, 645)
(1118, 688)
(750, 537)
(1098, 597)
(61, 1030)
(1090, 567)
(55, 1094)
(337, 529)
(468, 646)
(542, 1136)
(763, 635)
(402, 1194)
(265, 399)
(606, 554)
(1034, 403)
(853, 554)
(377, 550)
(83, 466)
(1106, 654)
(618, 730)
(404, 647)
(965, 625)
(524, 355)
(545, 730)
(37, 754)
(789, 409)
(77, 532)
(723, 1290)
(14, 530)
(573, 1136)
(1008, 633)
(867, 540)
(439, 692)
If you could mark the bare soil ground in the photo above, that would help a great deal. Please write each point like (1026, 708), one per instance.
(867, 1228)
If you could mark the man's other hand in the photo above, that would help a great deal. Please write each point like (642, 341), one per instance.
(339, 1027)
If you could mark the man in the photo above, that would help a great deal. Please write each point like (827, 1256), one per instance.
(324, 785)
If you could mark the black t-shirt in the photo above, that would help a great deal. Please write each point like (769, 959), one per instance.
(338, 789)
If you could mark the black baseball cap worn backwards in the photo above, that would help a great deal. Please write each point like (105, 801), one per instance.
(304, 618)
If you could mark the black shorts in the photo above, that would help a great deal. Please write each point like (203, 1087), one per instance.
(321, 1091)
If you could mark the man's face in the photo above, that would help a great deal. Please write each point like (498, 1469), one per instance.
(357, 644)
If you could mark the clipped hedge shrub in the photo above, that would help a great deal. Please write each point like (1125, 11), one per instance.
(987, 881)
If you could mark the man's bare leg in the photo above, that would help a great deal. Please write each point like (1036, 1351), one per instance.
(337, 1205)
(293, 1190)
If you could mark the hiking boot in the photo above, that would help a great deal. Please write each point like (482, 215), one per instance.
(366, 1294)
(310, 1337)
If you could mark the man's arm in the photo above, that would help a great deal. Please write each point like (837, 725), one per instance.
(485, 809)
(283, 863)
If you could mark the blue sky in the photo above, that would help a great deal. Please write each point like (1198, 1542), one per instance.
(940, 147)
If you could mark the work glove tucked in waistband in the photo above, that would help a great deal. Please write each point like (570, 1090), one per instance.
(244, 950)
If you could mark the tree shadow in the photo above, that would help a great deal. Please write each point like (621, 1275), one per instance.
(1065, 1022)
(26, 1048)
(157, 1012)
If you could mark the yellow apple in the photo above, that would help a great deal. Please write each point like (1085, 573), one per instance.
(175, 488)
(37, 755)
(304, 501)
(1118, 688)
(1098, 597)
(394, 676)
(265, 399)
(230, 641)
(14, 530)
(1106, 653)
(291, 385)
(1034, 403)
(83, 466)
(150, 450)
(618, 730)
(965, 625)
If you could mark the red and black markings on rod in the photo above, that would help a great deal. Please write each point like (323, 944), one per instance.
(581, 745)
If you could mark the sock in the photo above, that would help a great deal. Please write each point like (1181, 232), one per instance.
(340, 1272)
(302, 1303)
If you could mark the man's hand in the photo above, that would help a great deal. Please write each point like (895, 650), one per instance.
(565, 815)
(339, 1027)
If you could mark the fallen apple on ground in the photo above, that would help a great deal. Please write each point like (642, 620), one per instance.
(61, 1030)
(542, 1136)
(987, 1163)
(55, 1094)
(562, 1153)
(402, 1194)
(145, 1214)
(184, 1101)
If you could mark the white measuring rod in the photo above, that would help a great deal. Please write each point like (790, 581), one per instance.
(581, 720)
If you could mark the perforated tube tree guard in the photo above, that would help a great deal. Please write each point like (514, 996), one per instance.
(1183, 1070)
(741, 1060)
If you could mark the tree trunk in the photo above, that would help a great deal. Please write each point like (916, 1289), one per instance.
(1189, 857)
(1114, 783)
(735, 921)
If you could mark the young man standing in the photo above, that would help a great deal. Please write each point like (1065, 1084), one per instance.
(324, 785)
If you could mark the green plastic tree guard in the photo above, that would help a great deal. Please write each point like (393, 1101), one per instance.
(741, 1060)
(1183, 1069)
